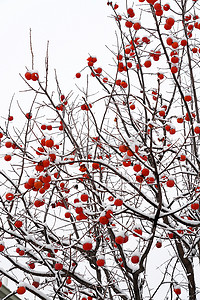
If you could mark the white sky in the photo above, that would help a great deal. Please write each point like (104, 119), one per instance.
(74, 29)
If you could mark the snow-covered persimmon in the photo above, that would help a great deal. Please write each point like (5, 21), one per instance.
(100, 261)
(87, 245)
(2, 246)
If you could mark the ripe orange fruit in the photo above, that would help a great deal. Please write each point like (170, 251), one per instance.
(79, 209)
(58, 266)
(197, 129)
(138, 231)
(160, 76)
(31, 265)
(150, 180)
(166, 7)
(118, 82)
(167, 127)
(87, 246)
(130, 12)
(159, 12)
(52, 156)
(78, 75)
(135, 259)
(167, 27)
(18, 224)
(21, 290)
(137, 25)
(122, 148)
(100, 262)
(7, 157)
(39, 168)
(182, 157)
(170, 21)
(103, 220)
(38, 203)
(162, 113)
(127, 50)
(98, 70)
(84, 197)
(8, 144)
(170, 183)
(38, 184)
(45, 163)
(10, 118)
(124, 84)
(128, 24)
(49, 143)
(126, 162)
(179, 120)
(2, 247)
(132, 106)
(169, 41)
(194, 50)
(34, 76)
(183, 43)
(49, 127)
(147, 64)
(157, 6)
(67, 214)
(95, 166)
(174, 69)
(118, 202)
(62, 97)
(28, 116)
(9, 196)
(172, 131)
(177, 291)
(158, 244)
(119, 239)
(111, 198)
(119, 57)
(129, 153)
(28, 75)
(174, 45)
(195, 206)
(137, 168)
(145, 172)
(21, 252)
(174, 59)
(188, 98)
(139, 178)
(36, 284)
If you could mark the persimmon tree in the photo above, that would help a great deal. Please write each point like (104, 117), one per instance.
(98, 189)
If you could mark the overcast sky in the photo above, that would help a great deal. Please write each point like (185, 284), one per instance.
(73, 28)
